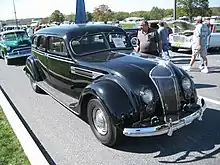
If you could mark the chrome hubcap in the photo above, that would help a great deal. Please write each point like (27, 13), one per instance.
(99, 121)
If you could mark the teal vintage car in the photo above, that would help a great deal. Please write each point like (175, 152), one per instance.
(14, 44)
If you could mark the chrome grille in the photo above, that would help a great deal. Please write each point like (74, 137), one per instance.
(167, 86)
(177, 38)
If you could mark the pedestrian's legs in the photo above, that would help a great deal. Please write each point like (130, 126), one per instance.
(193, 57)
(205, 60)
(192, 61)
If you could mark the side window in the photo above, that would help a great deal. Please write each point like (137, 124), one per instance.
(217, 29)
(57, 46)
(41, 43)
(0, 37)
(34, 42)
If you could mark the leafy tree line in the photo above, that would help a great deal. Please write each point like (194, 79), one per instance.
(188, 8)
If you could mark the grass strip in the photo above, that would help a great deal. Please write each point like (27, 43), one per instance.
(11, 152)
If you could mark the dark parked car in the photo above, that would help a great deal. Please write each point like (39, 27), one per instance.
(94, 71)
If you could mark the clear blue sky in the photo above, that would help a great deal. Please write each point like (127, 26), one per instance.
(43, 8)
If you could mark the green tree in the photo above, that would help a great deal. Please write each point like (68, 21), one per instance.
(103, 13)
(168, 12)
(70, 17)
(89, 16)
(215, 10)
(121, 15)
(145, 14)
(157, 13)
(57, 16)
(195, 7)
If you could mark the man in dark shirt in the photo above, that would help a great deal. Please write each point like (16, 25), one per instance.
(148, 40)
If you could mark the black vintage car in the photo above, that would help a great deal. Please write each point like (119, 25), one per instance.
(94, 71)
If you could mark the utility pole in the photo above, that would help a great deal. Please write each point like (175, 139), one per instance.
(174, 10)
(15, 14)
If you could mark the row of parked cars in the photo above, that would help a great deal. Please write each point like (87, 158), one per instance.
(181, 34)
(94, 71)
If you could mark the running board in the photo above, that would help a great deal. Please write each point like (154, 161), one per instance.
(62, 98)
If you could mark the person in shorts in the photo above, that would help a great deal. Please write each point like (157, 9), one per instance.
(149, 42)
(199, 45)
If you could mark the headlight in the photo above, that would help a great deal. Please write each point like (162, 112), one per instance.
(147, 95)
(8, 48)
(186, 84)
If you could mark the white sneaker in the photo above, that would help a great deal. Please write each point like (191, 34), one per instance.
(205, 70)
(186, 68)
(201, 67)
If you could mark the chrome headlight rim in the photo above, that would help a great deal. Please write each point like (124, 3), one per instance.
(186, 84)
(147, 95)
(8, 48)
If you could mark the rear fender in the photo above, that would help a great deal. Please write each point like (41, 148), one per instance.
(31, 68)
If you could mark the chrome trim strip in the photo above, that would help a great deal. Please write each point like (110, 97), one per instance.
(167, 128)
(173, 77)
(64, 59)
(21, 48)
(94, 74)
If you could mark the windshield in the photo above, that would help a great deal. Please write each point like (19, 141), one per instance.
(15, 36)
(99, 42)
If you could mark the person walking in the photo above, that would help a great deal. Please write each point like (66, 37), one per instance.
(164, 36)
(149, 41)
(199, 45)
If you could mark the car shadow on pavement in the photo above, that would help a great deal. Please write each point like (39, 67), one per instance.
(195, 142)
(18, 62)
(199, 86)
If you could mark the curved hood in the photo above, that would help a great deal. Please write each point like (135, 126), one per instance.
(17, 43)
(131, 67)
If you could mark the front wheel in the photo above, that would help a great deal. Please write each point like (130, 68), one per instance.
(101, 124)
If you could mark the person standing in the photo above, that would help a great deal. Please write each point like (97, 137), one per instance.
(29, 31)
(37, 27)
(148, 40)
(164, 36)
(199, 45)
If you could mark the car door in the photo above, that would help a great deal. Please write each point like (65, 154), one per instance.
(215, 36)
(59, 65)
(39, 51)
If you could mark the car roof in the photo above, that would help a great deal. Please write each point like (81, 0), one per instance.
(75, 30)
(11, 31)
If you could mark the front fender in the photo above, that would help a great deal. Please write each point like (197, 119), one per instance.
(114, 99)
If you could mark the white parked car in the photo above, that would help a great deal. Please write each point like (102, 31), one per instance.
(183, 40)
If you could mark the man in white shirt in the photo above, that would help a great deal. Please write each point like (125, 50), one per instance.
(199, 45)
(30, 31)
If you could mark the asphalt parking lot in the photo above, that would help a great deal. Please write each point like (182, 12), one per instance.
(69, 140)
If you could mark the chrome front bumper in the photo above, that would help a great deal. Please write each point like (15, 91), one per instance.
(168, 128)
(18, 53)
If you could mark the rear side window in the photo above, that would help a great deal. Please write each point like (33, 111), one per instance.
(41, 43)
(57, 46)
(34, 42)
(217, 29)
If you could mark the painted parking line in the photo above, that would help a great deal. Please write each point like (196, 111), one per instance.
(30, 148)
(210, 100)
